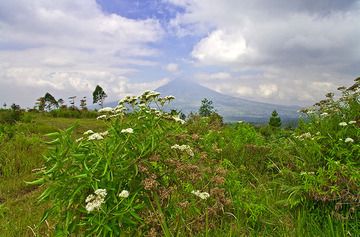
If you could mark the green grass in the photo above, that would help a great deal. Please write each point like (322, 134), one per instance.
(262, 181)
(21, 155)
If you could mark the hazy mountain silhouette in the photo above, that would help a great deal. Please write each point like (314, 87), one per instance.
(189, 95)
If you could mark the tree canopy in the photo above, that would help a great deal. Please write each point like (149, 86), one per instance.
(206, 108)
(275, 120)
(99, 96)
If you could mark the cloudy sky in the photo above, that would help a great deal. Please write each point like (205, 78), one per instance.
(287, 52)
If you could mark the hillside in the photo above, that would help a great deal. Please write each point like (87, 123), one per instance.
(189, 95)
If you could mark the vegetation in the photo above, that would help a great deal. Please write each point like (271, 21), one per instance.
(99, 96)
(145, 172)
(206, 108)
(275, 120)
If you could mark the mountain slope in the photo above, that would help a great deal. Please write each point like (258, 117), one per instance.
(189, 95)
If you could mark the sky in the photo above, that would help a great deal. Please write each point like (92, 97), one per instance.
(286, 52)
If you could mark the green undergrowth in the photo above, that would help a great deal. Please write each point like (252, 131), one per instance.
(145, 172)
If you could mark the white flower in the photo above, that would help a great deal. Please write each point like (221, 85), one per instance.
(100, 192)
(105, 110)
(343, 124)
(240, 121)
(349, 139)
(95, 136)
(101, 117)
(124, 194)
(352, 122)
(90, 198)
(127, 130)
(93, 202)
(185, 148)
(79, 139)
(202, 195)
(88, 132)
(178, 119)
(324, 114)
(104, 133)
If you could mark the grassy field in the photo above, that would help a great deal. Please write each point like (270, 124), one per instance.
(21, 155)
(146, 174)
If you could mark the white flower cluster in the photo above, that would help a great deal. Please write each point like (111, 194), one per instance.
(352, 122)
(178, 119)
(124, 194)
(127, 130)
(111, 112)
(95, 136)
(185, 148)
(202, 195)
(343, 124)
(93, 202)
(349, 140)
(324, 114)
(304, 136)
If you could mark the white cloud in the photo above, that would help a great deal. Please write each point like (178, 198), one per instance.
(287, 41)
(220, 47)
(71, 46)
(172, 67)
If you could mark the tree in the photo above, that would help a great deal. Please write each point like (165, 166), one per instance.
(206, 108)
(50, 101)
(4, 105)
(99, 96)
(72, 101)
(61, 103)
(275, 120)
(40, 104)
(83, 103)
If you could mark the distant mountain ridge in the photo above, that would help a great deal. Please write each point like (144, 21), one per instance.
(189, 95)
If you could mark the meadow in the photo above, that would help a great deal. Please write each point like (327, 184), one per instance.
(146, 172)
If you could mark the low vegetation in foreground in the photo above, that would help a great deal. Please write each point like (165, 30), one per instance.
(140, 171)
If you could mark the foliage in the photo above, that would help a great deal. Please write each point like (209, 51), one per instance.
(275, 120)
(254, 181)
(12, 115)
(99, 96)
(206, 108)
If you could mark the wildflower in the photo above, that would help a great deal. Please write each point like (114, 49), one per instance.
(105, 110)
(104, 133)
(93, 202)
(352, 122)
(101, 117)
(95, 136)
(324, 114)
(349, 139)
(79, 139)
(178, 119)
(202, 195)
(124, 194)
(88, 132)
(185, 148)
(343, 124)
(240, 121)
(169, 97)
(127, 130)
(304, 136)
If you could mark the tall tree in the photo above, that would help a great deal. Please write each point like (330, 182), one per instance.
(83, 103)
(206, 108)
(275, 120)
(40, 104)
(99, 96)
(50, 101)
(61, 103)
(72, 101)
